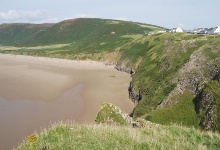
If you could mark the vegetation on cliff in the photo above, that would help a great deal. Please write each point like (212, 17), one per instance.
(176, 75)
(112, 115)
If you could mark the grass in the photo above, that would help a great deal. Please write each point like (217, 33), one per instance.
(46, 47)
(182, 112)
(72, 136)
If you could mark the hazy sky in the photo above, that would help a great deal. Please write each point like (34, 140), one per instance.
(187, 14)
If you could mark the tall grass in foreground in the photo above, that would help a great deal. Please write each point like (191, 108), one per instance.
(72, 136)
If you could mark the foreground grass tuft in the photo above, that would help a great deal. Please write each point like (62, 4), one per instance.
(72, 136)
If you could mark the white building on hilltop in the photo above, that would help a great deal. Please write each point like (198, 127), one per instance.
(176, 30)
(217, 30)
(179, 29)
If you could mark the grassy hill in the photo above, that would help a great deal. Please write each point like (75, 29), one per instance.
(176, 71)
(78, 36)
(69, 31)
(177, 75)
(13, 34)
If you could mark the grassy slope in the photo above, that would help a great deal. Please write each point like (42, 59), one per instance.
(13, 34)
(182, 113)
(156, 58)
(163, 58)
(71, 136)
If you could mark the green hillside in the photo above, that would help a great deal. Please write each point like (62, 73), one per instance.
(173, 75)
(176, 75)
(70, 32)
(80, 36)
(14, 34)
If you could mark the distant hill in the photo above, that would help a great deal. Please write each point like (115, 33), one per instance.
(14, 34)
(68, 31)
(176, 76)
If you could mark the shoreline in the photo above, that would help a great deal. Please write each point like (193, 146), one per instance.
(59, 62)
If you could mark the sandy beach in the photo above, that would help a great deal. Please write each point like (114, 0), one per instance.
(38, 91)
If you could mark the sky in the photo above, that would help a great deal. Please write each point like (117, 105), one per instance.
(187, 14)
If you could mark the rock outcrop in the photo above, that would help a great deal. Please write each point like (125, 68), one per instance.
(112, 115)
(206, 108)
(195, 73)
(134, 93)
(124, 69)
(193, 77)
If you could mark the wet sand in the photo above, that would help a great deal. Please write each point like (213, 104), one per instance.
(36, 92)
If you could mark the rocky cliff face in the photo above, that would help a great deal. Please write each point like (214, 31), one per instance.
(194, 77)
(190, 77)
(134, 93)
(206, 108)
(124, 69)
